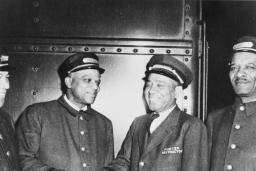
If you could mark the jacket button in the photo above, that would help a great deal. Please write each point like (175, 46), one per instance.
(1, 137)
(237, 126)
(233, 146)
(242, 108)
(141, 163)
(82, 132)
(8, 153)
(229, 167)
(81, 118)
(84, 165)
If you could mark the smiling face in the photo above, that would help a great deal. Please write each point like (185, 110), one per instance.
(243, 75)
(4, 86)
(83, 86)
(159, 92)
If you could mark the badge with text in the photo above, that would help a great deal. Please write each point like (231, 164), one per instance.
(172, 150)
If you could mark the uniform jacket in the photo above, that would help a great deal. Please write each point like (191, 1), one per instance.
(232, 137)
(54, 135)
(178, 144)
(9, 160)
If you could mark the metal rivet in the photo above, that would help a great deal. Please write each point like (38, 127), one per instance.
(151, 51)
(86, 49)
(36, 4)
(135, 50)
(186, 59)
(35, 48)
(53, 48)
(70, 49)
(168, 51)
(187, 51)
(119, 50)
(187, 32)
(102, 49)
(19, 47)
(34, 92)
(185, 97)
(35, 69)
(36, 20)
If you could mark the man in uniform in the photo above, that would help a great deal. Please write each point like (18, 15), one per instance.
(231, 130)
(174, 141)
(67, 134)
(9, 160)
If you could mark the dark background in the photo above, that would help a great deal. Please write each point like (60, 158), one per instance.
(226, 22)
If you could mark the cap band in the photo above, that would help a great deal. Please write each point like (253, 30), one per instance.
(157, 66)
(82, 66)
(4, 63)
(244, 46)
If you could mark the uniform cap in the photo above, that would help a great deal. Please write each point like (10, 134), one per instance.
(171, 67)
(80, 61)
(245, 44)
(4, 66)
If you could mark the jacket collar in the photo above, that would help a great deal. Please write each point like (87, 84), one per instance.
(250, 108)
(87, 114)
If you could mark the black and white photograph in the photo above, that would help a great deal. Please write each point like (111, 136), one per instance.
(127, 85)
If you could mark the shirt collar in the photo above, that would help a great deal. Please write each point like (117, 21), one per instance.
(87, 114)
(73, 105)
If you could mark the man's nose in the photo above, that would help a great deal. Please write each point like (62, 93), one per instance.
(95, 86)
(240, 72)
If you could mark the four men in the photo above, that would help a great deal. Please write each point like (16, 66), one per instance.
(67, 134)
(231, 130)
(9, 160)
(166, 138)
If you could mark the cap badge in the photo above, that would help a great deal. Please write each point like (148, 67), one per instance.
(90, 60)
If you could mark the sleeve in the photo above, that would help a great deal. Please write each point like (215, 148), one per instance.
(29, 134)
(122, 161)
(110, 150)
(195, 150)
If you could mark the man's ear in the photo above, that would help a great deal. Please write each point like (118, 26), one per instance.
(178, 92)
(68, 82)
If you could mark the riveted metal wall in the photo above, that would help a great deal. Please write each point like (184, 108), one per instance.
(39, 34)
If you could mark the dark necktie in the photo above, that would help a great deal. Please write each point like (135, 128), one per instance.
(84, 114)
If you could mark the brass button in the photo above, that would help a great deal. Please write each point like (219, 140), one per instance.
(229, 167)
(237, 126)
(242, 108)
(141, 163)
(233, 146)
